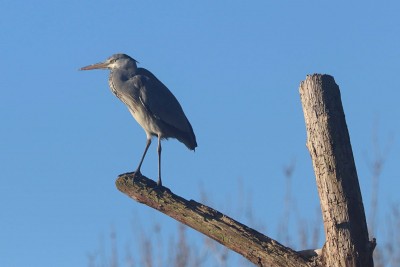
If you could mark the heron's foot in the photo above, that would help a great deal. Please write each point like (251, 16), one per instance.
(132, 175)
(127, 174)
(160, 189)
(137, 174)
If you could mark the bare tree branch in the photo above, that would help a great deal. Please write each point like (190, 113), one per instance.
(257, 248)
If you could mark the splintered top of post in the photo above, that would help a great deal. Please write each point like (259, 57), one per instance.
(319, 75)
(318, 79)
(321, 89)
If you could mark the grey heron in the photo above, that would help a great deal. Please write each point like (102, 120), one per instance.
(149, 101)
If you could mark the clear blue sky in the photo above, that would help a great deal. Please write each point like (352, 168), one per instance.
(235, 67)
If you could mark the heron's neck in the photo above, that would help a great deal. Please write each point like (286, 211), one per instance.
(118, 77)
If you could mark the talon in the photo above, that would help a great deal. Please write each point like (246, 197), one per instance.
(137, 174)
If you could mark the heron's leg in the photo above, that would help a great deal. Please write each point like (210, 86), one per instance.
(159, 183)
(148, 142)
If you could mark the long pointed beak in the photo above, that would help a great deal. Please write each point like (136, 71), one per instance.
(101, 65)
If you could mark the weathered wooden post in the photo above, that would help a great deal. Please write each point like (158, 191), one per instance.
(329, 144)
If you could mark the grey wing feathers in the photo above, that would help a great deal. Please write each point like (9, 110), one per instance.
(163, 105)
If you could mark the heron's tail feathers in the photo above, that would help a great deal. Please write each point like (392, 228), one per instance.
(188, 137)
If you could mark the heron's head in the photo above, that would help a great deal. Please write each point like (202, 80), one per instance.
(117, 61)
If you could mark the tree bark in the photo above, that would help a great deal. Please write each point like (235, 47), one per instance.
(256, 247)
(341, 203)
